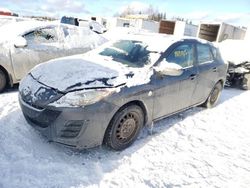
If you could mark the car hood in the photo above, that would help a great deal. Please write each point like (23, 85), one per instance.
(79, 72)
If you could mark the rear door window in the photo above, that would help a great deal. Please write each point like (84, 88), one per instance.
(204, 53)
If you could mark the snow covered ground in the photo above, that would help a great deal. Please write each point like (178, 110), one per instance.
(197, 148)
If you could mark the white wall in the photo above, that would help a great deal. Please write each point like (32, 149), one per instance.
(116, 22)
(184, 29)
(247, 36)
(230, 32)
(120, 22)
(151, 26)
(179, 28)
(191, 30)
(239, 33)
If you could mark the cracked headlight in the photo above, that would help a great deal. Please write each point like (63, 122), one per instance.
(82, 98)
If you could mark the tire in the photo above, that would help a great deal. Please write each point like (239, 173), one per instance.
(3, 81)
(124, 128)
(213, 96)
(246, 82)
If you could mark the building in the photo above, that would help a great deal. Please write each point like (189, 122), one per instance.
(7, 12)
(178, 28)
(217, 32)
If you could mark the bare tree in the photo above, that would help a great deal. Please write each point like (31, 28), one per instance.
(152, 12)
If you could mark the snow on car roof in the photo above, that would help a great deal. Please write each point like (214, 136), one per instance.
(235, 51)
(19, 28)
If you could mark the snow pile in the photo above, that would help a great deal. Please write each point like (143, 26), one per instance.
(196, 148)
(6, 20)
(235, 51)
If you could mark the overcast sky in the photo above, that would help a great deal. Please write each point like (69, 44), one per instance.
(236, 12)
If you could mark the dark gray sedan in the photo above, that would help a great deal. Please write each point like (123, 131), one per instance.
(109, 94)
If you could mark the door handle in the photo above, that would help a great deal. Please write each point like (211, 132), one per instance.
(192, 76)
(214, 69)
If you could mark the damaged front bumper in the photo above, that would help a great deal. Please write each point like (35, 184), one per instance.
(82, 127)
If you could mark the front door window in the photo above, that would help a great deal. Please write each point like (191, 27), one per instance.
(183, 55)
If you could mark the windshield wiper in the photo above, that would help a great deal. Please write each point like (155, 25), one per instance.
(103, 80)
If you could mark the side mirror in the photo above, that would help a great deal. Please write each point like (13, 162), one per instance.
(168, 69)
(20, 42)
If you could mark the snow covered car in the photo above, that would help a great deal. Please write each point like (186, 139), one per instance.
(28, 43)
(236, 53)
(108, 94)
(93, 25)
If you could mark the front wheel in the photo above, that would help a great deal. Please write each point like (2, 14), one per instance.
(124, 127)
(213, 96)
(3, 81)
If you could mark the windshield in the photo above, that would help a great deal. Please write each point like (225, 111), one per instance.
(130, 52)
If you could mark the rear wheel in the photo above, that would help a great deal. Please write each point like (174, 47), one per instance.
(124, 127)
(3, 81)
(213, 96)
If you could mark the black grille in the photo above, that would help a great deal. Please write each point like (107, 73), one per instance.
(44, 119)
(72, 129)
